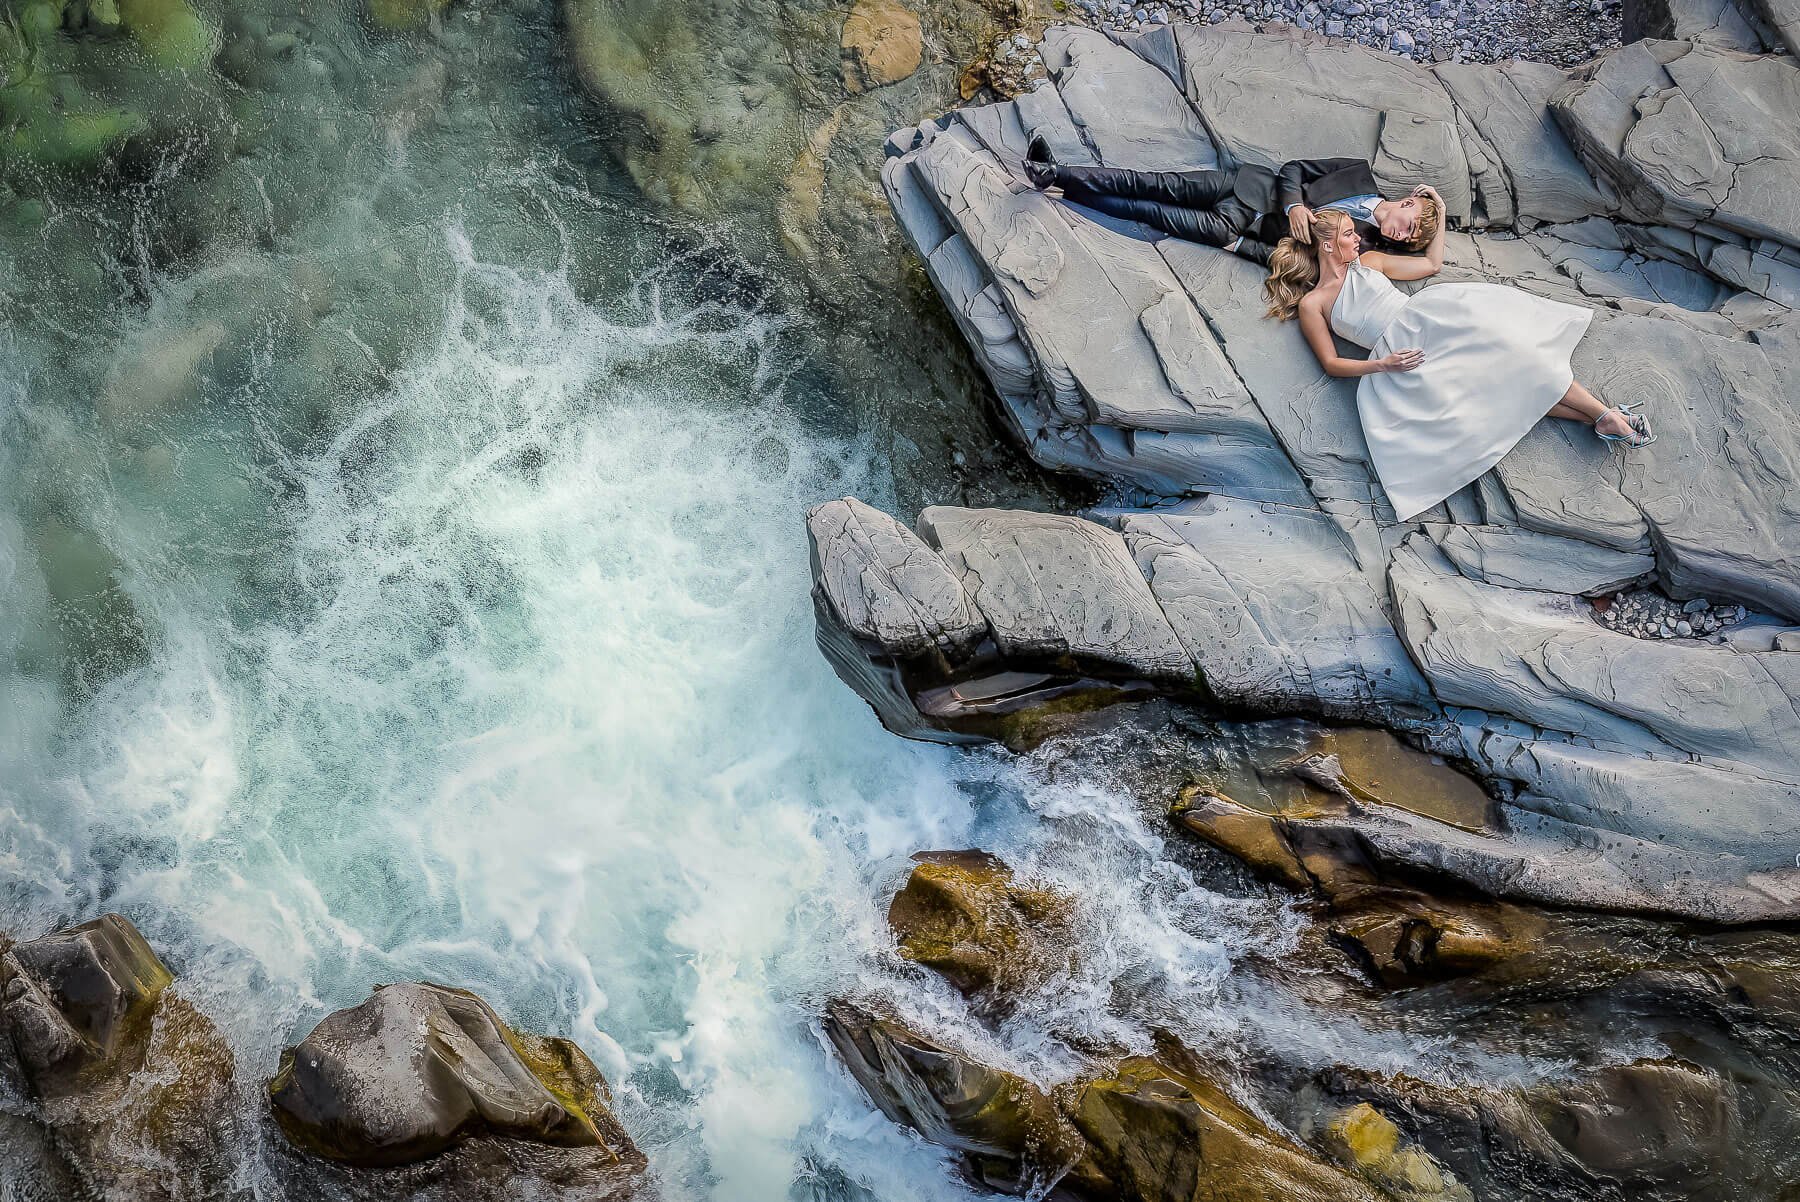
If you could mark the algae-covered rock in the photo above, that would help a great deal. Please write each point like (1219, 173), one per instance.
(1397, 932)
(1009, 1130)
(1252, 836)
(1369, 1142)
(420, 1068)
(1404, 937)
(405, 15)
(133, 1085)
(962, 914)
(171, 31)
(1159, 1134)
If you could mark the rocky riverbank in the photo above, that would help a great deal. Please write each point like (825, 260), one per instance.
(1186, 1122)
(1251, 564)
(118, 1089)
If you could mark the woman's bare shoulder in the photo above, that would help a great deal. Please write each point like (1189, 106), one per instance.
(1312, 302)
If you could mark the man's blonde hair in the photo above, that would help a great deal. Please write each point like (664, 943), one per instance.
(1431, 215)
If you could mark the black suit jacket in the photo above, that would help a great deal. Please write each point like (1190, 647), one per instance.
(1312, 182)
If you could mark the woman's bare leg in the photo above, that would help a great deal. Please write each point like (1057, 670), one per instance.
(1580, 405)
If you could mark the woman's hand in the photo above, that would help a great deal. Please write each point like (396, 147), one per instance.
(1428, 190)
(1402, 360)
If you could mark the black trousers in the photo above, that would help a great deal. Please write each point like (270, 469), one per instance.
(1200, 206)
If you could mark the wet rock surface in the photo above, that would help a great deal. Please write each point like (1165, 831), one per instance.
(1183, 1123)
(1654, 773)
(424, 1087)
(127, 1088)
(964, 916)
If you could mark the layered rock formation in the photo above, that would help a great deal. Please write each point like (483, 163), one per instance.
(1710, 1119)
(1253, 563)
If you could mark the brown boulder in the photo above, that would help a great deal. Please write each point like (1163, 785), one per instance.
(133, 1085)
(1159, 1134)
(419, 1069)
(1009, 1131)
(962, 914)
(1398, 933)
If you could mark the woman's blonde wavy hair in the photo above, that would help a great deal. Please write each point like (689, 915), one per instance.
(1294, 265)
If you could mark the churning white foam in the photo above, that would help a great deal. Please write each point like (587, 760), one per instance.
(524, 698)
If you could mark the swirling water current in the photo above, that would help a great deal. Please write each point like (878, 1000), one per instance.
(402, 576)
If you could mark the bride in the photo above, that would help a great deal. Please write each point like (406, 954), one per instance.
(1457, 373)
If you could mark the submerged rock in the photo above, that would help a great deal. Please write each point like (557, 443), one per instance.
(423, 1072)
(881, 44)
(132, 1086)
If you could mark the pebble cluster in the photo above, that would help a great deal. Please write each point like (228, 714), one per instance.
(1647, 614)
(1564, 32)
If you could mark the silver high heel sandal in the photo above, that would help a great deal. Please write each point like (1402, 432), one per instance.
(1641, 436)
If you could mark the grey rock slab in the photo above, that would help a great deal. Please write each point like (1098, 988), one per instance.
(1207, 396)
(1132, 113)
(1273, 608)
(1542, 658)
(885, 585)
(1783, 16)
(1043, 114)
(1056, 588)
(1515, 558)
(1749, 107)
(1703, 809)
(1690, 134)
(1269, 97)
(1716, 22)
(1075, 290)
(1546, 860)
(418, 1067)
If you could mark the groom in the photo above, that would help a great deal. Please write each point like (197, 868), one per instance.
(1247, 210)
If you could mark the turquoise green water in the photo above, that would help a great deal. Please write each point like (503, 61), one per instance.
(402, 575)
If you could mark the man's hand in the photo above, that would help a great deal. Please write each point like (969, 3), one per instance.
(1403, 360)
(1428, 190)
(1300, 223)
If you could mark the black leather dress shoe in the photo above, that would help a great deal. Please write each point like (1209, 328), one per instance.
(1041, 175)
(1038, 151)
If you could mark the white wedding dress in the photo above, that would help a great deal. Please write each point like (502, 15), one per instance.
(1496, 359)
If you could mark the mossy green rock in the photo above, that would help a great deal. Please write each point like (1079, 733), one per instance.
(1156, 1133)
(962, 914)
(400, 16)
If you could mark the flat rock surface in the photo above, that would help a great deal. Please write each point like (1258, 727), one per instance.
(1253, 551)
